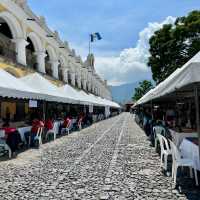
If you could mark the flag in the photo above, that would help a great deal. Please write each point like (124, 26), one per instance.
(95, 36)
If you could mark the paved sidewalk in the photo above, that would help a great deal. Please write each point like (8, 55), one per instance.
(109, 160)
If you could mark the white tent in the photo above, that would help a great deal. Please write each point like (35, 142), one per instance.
(65, 94)
(75, 94)
(48, 89)
(12, 87)
(87, 98)
(186, 75)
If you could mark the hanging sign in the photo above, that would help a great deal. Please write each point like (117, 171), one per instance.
(32, 104)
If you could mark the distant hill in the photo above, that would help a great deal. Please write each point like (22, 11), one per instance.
(123, 93)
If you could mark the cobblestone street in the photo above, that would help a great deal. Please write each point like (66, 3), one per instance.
(109, 160)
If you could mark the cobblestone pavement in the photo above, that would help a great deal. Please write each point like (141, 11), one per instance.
(109, 160)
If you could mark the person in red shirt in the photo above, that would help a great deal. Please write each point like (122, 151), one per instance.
(12, 137)
(47, 126)
(36, 124)
(66, 123)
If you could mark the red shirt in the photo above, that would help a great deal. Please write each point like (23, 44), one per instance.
(66, 122)
(9, 130)
(49, 124)
(36, 124)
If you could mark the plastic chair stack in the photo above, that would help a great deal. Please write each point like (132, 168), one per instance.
(165, 151)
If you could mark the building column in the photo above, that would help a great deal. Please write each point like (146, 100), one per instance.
(41, 61)
(20, 47)
(54, 66)
(89, 86)
(84, 84)
(78, 74)
(65, 74)
(73, 77)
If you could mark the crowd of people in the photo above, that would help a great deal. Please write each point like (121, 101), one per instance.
(179, 116)
(13, 138)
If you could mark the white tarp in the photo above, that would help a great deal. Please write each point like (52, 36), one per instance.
(72, 93)
(188, 74)
(78, 95)
(65, 94)
(12, 87)
(87, 98)
(45, 87)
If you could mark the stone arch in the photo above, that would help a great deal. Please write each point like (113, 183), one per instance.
(33, 50)
(51, 62)
(13, 24)
(36, 41)
(52, 53)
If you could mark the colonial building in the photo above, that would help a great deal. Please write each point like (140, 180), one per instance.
(27, 42)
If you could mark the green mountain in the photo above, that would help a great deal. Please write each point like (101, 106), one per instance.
(123, 93)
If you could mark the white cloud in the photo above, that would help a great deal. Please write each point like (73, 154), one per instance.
(131, 64)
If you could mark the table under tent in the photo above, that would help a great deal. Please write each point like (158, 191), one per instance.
(18, 95)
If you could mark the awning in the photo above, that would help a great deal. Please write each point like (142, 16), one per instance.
(75, 94)
(186, 75)
(87, 98)
(48, 89)
(13, 87)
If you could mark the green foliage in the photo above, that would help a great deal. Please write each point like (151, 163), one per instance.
(173, 45)
(142, 89)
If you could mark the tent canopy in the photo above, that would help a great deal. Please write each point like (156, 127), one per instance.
(45, 87)
(65, 94)
(87, 98)
(183, 77)
(13, 87)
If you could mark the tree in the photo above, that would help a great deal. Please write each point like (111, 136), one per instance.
(142, 89)
(173, 45)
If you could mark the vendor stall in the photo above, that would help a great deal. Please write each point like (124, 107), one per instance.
(179, 88)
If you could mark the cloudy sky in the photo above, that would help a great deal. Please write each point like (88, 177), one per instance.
(125, 25)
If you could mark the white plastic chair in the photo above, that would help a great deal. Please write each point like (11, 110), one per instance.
(158, 130)
(3, 143)
(52, 131)
(179, 161)
(68, 128)
(165, 151)
(39, 135)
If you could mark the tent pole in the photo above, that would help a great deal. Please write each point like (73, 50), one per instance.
(152, 109)
(44, 110)
(197, 113)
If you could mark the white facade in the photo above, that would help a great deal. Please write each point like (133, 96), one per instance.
(49, 50)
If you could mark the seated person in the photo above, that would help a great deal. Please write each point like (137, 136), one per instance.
(81, 119)
(36, 124)
(66, 123)
(13, 138)
(47, 126)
